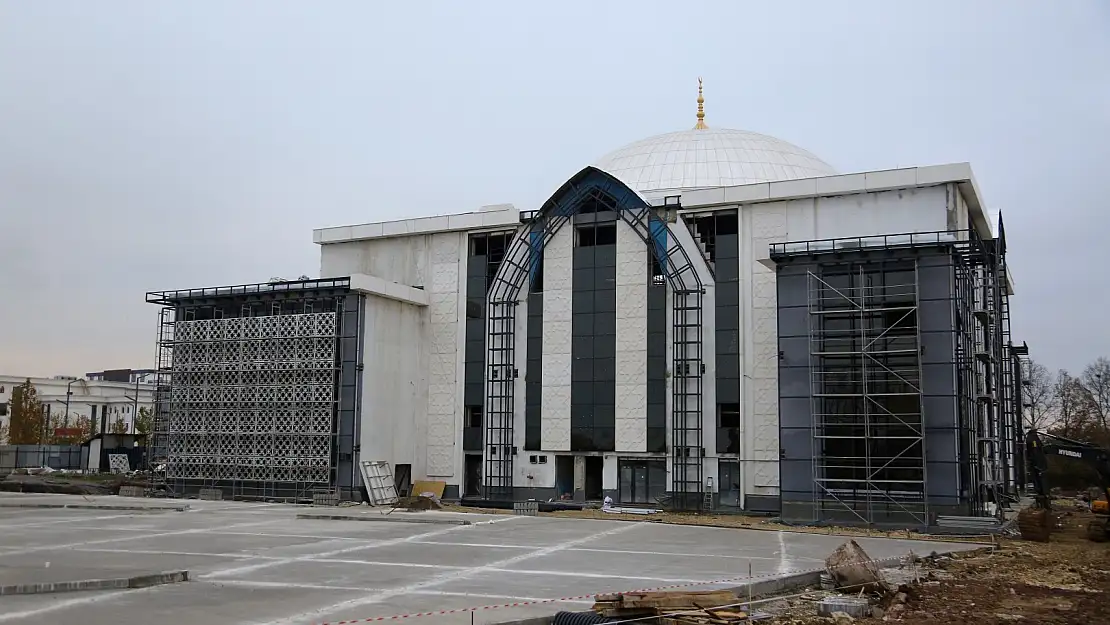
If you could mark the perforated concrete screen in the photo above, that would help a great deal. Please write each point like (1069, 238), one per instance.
(252, 399)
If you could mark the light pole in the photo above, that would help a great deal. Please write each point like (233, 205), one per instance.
(69, 391)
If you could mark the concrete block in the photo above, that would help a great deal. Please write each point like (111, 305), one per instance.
(132, 491)
(137, 581)
(855, 607)
(211, 494)
(325, 499)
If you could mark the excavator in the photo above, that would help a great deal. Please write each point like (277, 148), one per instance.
(1035, 522)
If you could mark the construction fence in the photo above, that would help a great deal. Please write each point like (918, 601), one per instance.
(56, 457)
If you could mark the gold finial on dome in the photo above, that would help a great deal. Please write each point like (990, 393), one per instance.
(701, 109)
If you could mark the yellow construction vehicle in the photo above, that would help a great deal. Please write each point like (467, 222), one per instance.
(1035, 523)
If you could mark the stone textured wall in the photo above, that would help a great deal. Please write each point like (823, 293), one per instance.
(761, 432)
(556, 361)
(447, 252)
(631, 384)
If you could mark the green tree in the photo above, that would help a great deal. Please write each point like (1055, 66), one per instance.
(144, 421)
(28, 417)
(82, 430)
(119, 426)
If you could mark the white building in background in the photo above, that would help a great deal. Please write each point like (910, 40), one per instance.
(712, 317)
(103, 401)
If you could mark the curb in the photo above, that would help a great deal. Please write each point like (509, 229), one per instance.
(94, 506)
(116, 583)
(380, 519)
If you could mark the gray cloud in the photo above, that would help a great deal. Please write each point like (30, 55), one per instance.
(158, 145)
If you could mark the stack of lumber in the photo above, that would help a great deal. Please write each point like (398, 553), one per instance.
(674, 608)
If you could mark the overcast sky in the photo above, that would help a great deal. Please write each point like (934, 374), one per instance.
(156, 145)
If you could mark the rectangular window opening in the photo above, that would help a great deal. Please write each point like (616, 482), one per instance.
(728, 415)
(473, 416)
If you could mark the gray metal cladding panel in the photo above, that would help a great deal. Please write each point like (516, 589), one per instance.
(728, 246)
(474, 394)
(793, 322)
(533, 391)
(794, 382)
(793, 289)
(795, 351)
(796, 443)
(939, 411)
(941, 445)
(474, 360)
(605, 301)
(936, 316)
(938, 379)
(938, 348)
(606, 256)
(583, 279)
(728, 341)
(728, 391)
(476, 286)
(728, 317)
(935, 283)
(582, 302)
(727, 295)
(796, 412)
(726, 269)
(944, 478)
(657, 300)
(593, 348)
(728, 366)
(796, 479)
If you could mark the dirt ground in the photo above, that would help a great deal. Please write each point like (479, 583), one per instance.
(1065, 581)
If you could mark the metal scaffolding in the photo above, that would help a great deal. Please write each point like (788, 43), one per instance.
(247, 392)
(869, 437)
(868, 384)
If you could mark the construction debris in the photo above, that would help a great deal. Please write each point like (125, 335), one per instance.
(422, 502)
(711, 607)
(853, 570)
(855, 607)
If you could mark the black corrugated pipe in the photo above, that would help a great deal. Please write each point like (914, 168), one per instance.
(579, 618)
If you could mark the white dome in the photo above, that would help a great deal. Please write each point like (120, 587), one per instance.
(707, 157)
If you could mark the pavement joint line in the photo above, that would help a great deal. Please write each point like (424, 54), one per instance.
(599, 550)
(152, 552)
(370, 544)
(452, 567)
(444, 578)
(18, 552)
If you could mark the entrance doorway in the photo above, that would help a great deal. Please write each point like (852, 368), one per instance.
(472, 482)
(564, 477)
(594, 468)
(642, 481)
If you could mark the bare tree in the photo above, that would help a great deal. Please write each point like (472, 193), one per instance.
(1039, 396)
(1096, 382)
(1069, 403)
